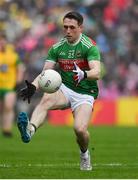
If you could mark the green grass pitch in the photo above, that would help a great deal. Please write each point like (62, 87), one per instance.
(53, 154)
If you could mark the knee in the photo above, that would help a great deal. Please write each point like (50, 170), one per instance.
(80, 130)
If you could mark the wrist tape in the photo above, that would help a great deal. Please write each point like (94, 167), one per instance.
(85, 74)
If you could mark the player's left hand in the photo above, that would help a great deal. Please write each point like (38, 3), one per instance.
(79, 74)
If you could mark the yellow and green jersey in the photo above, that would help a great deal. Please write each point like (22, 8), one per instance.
(81, 52)
(9, 61)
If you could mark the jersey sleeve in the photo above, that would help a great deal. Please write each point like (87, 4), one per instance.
(93, 54)
(51, 56)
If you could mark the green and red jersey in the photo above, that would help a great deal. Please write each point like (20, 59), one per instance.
(81, 52)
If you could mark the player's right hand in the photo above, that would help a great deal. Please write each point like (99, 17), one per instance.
(79, 74)
(28, 91)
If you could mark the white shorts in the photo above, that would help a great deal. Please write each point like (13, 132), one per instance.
(75, 99)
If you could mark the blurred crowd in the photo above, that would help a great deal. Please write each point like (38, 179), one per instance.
(32, 26)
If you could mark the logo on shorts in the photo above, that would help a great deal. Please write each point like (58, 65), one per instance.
(92, 91)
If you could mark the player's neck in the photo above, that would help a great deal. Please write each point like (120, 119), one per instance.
(76, 41)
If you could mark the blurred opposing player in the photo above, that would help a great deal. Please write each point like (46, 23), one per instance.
(11, 73)
(79, 63)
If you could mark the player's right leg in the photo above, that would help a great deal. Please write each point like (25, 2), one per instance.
(55, 100)
(82, 116)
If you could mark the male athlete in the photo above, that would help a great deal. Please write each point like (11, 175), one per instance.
(79, 64)
(11, 73)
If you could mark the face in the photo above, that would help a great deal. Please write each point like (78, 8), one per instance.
(72, 30)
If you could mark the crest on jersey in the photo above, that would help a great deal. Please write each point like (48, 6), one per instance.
(78, 54)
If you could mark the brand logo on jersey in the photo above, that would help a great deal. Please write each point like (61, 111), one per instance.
(62, 53)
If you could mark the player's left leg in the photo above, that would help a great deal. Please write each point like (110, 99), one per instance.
(8, 113)
(27, 128)
(82, 116)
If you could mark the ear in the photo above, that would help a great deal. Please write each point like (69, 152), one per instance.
(81, 28)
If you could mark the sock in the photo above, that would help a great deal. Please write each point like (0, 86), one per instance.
(31, 129)
(85, 154)
(33, 126)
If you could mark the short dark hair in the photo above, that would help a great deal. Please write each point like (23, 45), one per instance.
(74, 15)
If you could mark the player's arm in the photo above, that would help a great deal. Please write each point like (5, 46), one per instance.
(30, 89)
(95, 70)
(94, 63)
(93, 73)
(93, 58)
(47, 65)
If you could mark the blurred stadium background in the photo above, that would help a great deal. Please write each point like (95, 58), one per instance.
(32, 26)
